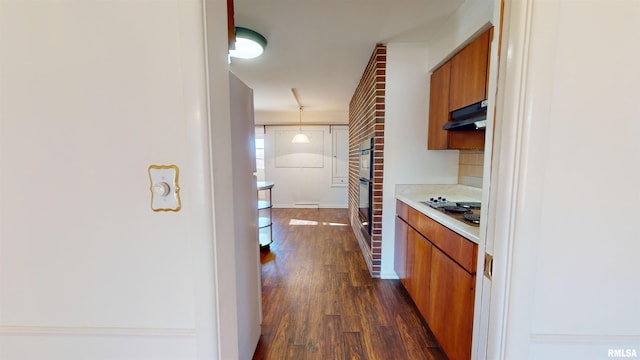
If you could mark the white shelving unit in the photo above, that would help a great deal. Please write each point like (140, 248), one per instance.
(265, 219)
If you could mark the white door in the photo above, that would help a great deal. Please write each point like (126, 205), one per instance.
(565, 282)
(245, 215)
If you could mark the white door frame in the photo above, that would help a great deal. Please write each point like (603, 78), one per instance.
(506, 173)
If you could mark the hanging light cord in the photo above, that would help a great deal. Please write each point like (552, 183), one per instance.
(300, 128)
(300, 137)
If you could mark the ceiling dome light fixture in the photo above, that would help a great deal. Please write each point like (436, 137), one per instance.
(249, 44)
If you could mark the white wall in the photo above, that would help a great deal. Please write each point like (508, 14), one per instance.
(293, 117)
(406, 158)
(92, 94)
(449, 36)
(302, 186)
(566, 268)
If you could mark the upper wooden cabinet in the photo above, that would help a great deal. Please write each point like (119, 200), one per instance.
(231, 24)
(459, 82)
(439, 107)
(469, 70)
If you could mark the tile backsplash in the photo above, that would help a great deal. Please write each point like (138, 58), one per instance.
(470, 167)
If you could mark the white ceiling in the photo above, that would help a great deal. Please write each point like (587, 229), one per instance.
(321, 47)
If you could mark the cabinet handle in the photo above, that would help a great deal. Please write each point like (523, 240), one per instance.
(488, 266)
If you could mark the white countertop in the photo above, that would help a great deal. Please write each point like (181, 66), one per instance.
(412, 195)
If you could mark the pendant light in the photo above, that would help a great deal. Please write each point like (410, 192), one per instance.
(300, 138)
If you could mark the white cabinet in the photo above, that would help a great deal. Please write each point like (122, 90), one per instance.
(339, 156)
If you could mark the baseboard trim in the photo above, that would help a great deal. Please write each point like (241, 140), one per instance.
(586, 338)
(309, 206)
(95, 331)
(389, 275)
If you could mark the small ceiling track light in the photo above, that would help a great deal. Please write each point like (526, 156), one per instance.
(249, 44)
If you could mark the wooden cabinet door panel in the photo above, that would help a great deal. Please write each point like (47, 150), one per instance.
(466, 140)
(439, 107)
(469, 73)
(421, 272)
(451, 306)
(410, 275)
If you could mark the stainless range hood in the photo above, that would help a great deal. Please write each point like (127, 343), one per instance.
(469, 118)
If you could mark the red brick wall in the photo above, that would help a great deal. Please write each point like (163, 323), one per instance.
(366, 120)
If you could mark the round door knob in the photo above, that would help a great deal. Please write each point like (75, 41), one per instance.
(161, 189)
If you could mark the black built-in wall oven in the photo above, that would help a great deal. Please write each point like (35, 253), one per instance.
(366, 188)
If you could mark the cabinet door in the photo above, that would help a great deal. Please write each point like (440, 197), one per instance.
(400, 250)
(451, 306)
(469, 73)
(409, 280)
(421, 272)
(340, 155)
(439, 107)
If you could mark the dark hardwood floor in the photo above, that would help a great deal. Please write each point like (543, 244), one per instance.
(319, 301)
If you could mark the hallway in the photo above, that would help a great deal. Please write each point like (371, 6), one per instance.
(319, 301)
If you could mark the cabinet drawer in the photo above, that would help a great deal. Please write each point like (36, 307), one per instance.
(461, 250)
(402, 210)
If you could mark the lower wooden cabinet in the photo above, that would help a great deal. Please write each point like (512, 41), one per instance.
(413, 264)
(451, 306)
(459, 82)
(438, 273)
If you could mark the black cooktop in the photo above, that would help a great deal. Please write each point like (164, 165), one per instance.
(456, 209)
(469, 204)
(467, 212)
